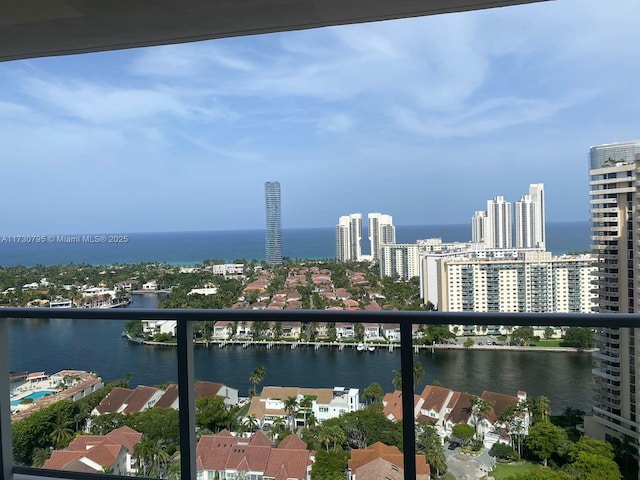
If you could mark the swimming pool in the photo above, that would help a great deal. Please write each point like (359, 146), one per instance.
(33, 396)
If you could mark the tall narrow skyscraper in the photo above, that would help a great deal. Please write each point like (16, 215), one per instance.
(497, 233)
(273, 237)
(478, 226)
(530, 219)
(613, 171)
(348, 237)
(381, 231)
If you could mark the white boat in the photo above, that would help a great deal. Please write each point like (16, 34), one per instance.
(361, 347)
(371, 348)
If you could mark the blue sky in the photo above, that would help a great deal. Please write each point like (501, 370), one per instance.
(423, 119)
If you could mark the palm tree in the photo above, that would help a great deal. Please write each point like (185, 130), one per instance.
(418, 375)
(257, 376)
(542, 408)
(40, 455)
(291, 407)
(479, 410)
(251, 423)
(306, 404)
(62, 433)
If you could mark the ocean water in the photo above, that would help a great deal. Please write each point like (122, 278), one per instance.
(186, 248)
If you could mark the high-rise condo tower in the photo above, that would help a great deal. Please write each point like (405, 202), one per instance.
(381, 231)
(348, 237)
(614, 202)
(273, 237)
(497, 233)
(530, 218)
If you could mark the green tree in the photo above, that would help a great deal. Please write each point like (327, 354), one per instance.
(329, 465)
(463, 432)
(418, 376)
(505, 452)
(157, 424)
(480, 408)
(373, 393)
(468, 343)
(40, 455)
(213, 413)
(61, 434)
(591, 466)
(591, 446)
(277, 330)
(428, 443)
(548, 332)
(306, 405)
(545, 439)
(256, 377)
(291, 407)
(577, 337)
(541, 408)
(522, 335)
(542, 474)
(358, 331)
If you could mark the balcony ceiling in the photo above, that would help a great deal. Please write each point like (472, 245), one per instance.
(37, 28)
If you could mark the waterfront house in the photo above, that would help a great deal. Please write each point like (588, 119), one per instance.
(98, 453)
(444, 408)
(392, 405)
(381, 461)
(345, 330)
(391, 332)
(152, 327)
(291, 329)
(150, 286)
(223, 330)
(127, 401)
(326, 403)
(169, 398)
(225, 456)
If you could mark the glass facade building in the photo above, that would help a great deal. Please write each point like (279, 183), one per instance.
(273, 238)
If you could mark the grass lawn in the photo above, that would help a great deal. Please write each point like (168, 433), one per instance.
(552, 342)
(503, 471)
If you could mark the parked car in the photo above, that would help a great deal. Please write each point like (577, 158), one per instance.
(453, 445)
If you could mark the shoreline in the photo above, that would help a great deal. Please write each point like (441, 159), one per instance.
(269, 344)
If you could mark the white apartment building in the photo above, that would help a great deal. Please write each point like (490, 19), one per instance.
(401, 259)
(530, 218)
(478, 226)
(533, 282)
(497, 233)
(381, 230)
(348, 237)
(326, 403)
(614, 203)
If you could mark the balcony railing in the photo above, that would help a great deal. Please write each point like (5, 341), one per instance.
(185, 362)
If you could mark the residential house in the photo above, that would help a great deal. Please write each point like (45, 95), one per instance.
(152, 327)
(127, 401)
(326, 403)
(169, 398)
(225, 456)
(345, 330)
(391, 332)
(98, 453)
(381, 461)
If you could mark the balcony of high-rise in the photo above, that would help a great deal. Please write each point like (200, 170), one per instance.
(116, 152)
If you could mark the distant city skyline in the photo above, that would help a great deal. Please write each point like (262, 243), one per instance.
(423, 117)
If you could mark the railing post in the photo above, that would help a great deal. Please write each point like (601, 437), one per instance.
(6, 448)
(408, 420)
(186, 402)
